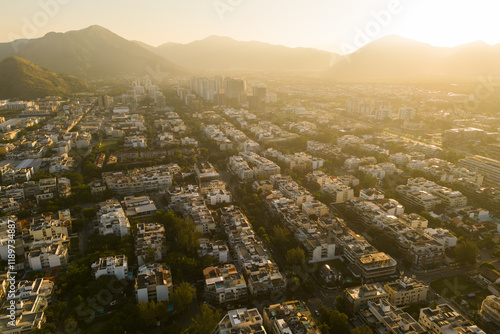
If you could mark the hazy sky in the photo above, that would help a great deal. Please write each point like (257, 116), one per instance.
(338, 25)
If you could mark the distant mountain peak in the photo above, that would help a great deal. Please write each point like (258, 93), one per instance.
(95, 27)
(397, 59)
(92, 52)
(222, 53)
(218, 37)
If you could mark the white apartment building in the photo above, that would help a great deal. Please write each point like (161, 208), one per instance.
(115, 266)
(314, 208)
(400, 158)
(444, 319)
(153, 283)
(218, 250)
(406, 291)
(43, 227)
(390, 319)
(112, 219)
(319, 247)
(224, 284)
(248, 321)
(240, 168)
(150, 236)
(450, 198)
(139, 206)
(339, 192)
(414, 220)
(490, 168)
(218, 196)
(444, 237)
(48, 253)
(490, 309)
(261, 167)
(140, 180)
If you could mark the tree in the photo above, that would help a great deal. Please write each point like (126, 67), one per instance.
(146, 313)
(180, 233)
(333, 322)
(187, 238)
(149, 255)
(107, 194)
(33, 275)
(324, 328)
(339, 322)
(466, 252)
(152, 312)
(182, 296)
(340, 303)
(363, 329)
(89, 213)
(496, 253)
(77, 224)
(205, 322)
(77, 209)
(295, 256)
(281, 236)
(307, 286)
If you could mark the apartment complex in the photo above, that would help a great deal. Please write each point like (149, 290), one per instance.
(49, 253)
(241, 321)
(289, 317)
(390, 319)
(444, 319)
(488, 167)
(114, 266)
(140, 180)
(153, 283)
(406, 291)
(490, 309)
(224, 285)
(112, 219)
(150, 242)
(358, 297)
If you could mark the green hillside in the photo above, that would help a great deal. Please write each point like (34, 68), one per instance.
(22, 79)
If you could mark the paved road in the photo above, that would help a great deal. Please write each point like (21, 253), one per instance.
(88, 229)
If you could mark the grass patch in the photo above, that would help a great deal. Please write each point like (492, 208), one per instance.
(109, 145)
(10, 113)
(455, 286)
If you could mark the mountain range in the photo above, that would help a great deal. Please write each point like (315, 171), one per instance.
(21, 79)
(96, 52)
(396, 59)
(93, 52)
(217, 53)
